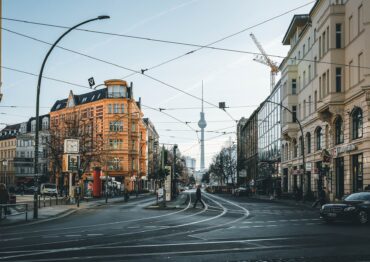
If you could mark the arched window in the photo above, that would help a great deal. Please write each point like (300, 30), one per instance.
(339, 134)
(308, 142)
(357, 123)
(318, 135)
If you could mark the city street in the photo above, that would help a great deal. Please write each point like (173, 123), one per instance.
(228, 228)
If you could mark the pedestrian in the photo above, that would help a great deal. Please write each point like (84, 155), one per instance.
(198, 196)
(4, 198)
(321, 198)
(126, 196)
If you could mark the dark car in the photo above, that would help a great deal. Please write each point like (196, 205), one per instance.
(242, 191)
(355, 207)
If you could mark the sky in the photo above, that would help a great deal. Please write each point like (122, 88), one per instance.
(229, 77)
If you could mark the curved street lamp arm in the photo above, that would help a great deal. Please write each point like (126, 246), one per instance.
(40, 78)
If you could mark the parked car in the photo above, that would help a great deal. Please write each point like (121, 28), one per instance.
(355, 207)
(242, 191)
(48, 189)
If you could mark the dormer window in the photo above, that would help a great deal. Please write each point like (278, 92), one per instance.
(117, 91)
(45, 123)
(84, 100)
(33, 126)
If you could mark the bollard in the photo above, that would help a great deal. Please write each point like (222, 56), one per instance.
(56, 199)
(35, 207)
(26, 212)
(78, 201)
(50, 200)
(44, 200)
(39, 201)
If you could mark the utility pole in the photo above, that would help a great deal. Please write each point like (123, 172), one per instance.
(173, 173)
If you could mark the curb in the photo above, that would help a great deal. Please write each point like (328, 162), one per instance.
(26, 223)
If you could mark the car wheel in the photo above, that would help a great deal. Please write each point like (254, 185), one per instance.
(362, 217)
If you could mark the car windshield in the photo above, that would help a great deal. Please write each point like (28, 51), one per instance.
(358, 197)
(49, 186)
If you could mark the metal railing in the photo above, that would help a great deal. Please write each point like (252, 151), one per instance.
(7, 210)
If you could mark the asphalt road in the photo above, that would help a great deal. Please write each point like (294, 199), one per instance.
(228, 229)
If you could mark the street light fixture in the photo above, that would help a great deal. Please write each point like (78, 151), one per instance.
(35, 212)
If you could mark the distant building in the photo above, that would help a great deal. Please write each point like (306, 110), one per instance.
(153, 156)
(112, 134)
(25, 141)
(190, 165)
(8, 137)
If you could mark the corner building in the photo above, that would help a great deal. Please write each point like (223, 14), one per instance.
(112, 134)
(326, 84)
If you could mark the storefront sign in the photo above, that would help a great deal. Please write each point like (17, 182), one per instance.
(344, 149)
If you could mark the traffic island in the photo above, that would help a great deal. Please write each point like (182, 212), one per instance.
(181, 201)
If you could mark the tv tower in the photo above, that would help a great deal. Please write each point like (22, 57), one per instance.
(202, 124)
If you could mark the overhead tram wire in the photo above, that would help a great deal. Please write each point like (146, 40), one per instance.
(199, 47)
(164, 41)
(45, 77)
(178, 120)
(119, 66)
(78, 85)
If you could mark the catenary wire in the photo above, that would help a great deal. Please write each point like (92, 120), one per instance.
(122, 67)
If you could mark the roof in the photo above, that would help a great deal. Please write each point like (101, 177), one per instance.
(297, 21)
(9, 131)
(81, 99)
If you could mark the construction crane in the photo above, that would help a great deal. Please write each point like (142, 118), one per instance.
(264, 59)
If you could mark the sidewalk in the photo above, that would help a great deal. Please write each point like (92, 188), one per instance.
(181, 201)
(55, 212)
(291, 202)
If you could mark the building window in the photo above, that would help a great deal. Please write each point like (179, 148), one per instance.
(308, 143)
(304, 78)
(360, 66)
(315, 66)
(309, 105)
(116, 91)
(115, 108)
(357, 170)
(338, 79)
(339, 134)
(318, 134)
(110, 109)
(350, 28)
(357, 123)
(338, 35)
(116, 126)
(301, 145)
(309, 73)
(304, 50)
(294, 86)
(115, 143)
(295, 149)
(351, 75)
(324, 43)
(294, 114)
(360, 22)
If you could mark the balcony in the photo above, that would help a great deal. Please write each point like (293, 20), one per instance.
(331, 105)
(289, 130)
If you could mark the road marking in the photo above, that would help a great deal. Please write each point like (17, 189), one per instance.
(11, 239)
(133, 227)
(94, 235)
(72, 235)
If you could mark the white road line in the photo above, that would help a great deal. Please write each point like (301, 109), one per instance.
(94, 235)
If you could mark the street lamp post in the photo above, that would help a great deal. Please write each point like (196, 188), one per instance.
(302, 145)
(35, 212)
